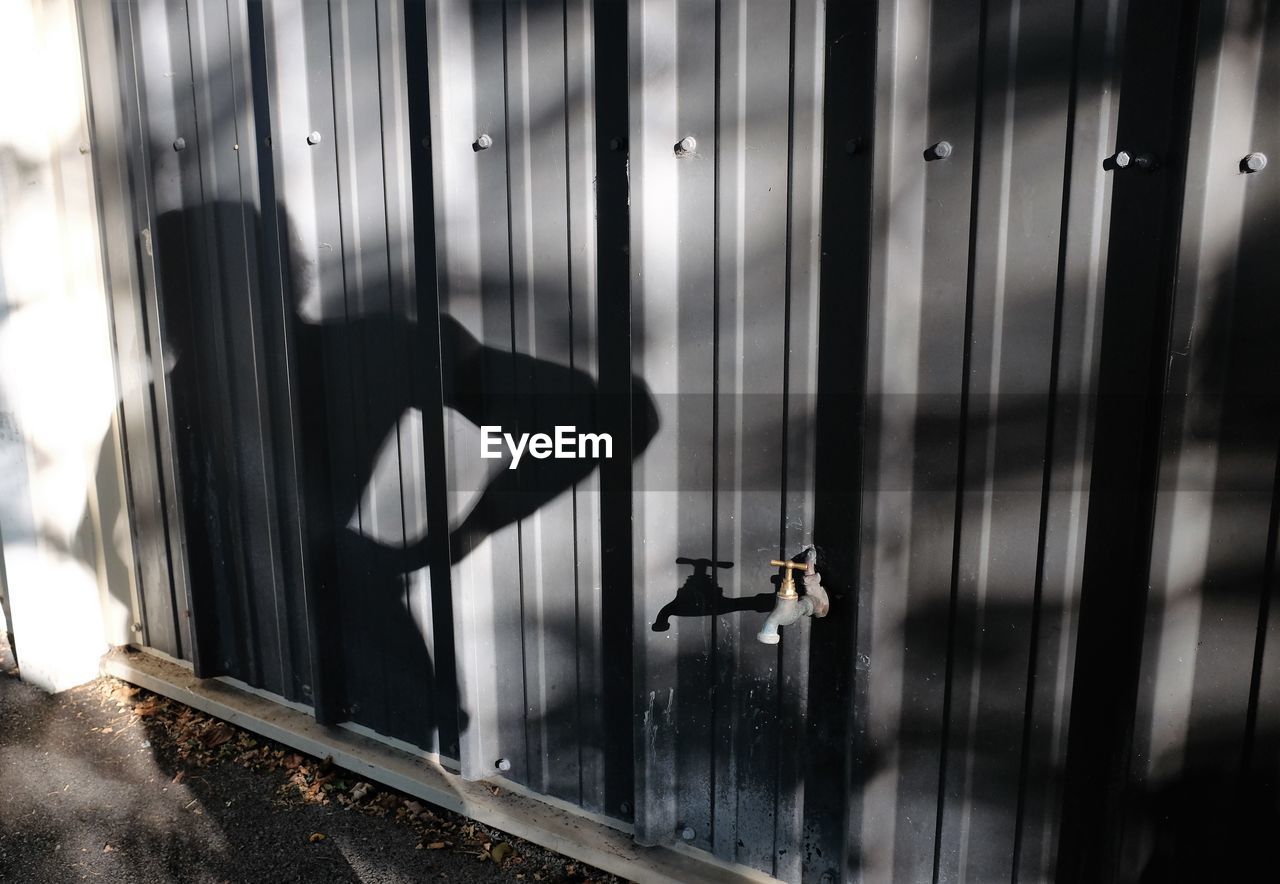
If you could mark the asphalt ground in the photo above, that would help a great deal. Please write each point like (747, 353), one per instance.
(110, 783)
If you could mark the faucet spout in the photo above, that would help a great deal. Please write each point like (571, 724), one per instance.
(785, 612)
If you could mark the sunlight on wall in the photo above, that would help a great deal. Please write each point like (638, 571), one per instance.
(57, 386)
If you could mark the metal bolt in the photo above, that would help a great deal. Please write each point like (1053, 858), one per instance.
(1122, 159)
(179, 143)
(941, 150)
(625, 808)
(827, 878)
(688, 144)
(313, 138)
(137, 627)
(1254, 162)
(853, 146)
(615, 144)
(687, 833)
(235, 147)
(503, 764)
(484, 142)
(84, 148)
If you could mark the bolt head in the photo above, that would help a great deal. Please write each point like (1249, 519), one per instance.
(687, 833)
(1254, 162)
(688, 144)
(313, 138)
(615, 144)
(503, 764)
(485, 141)
(1123, 159)
(625, 807)
(942, 150)
(137, 627)
(179, 143)
(84, 148)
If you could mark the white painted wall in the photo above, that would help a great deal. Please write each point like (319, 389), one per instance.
(63, 526)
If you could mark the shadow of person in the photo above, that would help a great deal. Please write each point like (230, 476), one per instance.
(700, 596)
(487, 386)
(259, 390)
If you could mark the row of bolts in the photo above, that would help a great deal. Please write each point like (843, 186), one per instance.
(686, 832)
(1253, 162)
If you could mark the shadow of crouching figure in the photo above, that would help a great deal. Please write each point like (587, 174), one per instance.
(491, 387)
(282, 424)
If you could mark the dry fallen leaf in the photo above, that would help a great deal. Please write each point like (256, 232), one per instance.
(216, 735)
(436, 845)
(316, 836)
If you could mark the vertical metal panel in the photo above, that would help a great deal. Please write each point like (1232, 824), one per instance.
(980, 348)
(837, 702)
(231, 286)
(619, 402)
(475, 298)
(299, 102)
(557, 558)
(153, 29)
(724, 247)
(1156, 66)
(1203, 764)
(515, 235)
(581, 729)
(1083, 256)
(667, 325)
(916, 336)
(115, 121)
(1012, 344)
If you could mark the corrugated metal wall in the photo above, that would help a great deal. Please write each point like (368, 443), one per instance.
(343, 236)
(725, 257)
(982, 330)
(1205, 764)
(282, 165)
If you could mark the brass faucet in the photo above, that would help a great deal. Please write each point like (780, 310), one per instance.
(790, 606)
(787, 589)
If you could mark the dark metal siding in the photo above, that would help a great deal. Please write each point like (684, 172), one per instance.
(982, 346)
(725, 260)
(948, 374)
(1204, 772)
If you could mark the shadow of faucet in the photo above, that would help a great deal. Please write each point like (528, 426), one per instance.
(699, 596)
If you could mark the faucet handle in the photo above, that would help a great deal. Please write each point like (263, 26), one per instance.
(787, 589)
